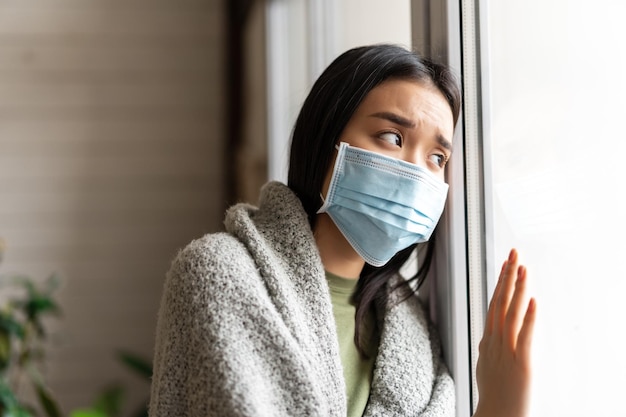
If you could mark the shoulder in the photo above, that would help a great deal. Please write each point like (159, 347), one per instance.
(211, 265)
(211, 253)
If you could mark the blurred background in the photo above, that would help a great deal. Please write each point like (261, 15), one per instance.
(112, 156)
(126, 129)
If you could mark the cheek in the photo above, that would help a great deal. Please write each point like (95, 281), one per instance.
(355, 134)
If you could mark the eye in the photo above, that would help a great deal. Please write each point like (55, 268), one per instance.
(393, 138)
(438, 159)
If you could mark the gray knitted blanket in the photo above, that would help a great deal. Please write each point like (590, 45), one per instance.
(246, 328)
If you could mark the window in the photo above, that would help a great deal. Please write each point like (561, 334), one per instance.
(554, 145)
(537, 167)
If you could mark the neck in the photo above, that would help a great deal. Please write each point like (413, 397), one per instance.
(337, 254)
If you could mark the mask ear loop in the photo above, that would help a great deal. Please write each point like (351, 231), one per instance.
(321, 196)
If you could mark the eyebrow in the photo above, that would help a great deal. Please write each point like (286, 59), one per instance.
(397, 119)
(409, 124)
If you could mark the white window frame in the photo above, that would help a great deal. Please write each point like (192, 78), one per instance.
(449, 32)
(321, 47)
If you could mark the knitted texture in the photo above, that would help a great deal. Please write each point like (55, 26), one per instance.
(246, 328)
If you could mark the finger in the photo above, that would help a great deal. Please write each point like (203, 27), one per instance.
(514, 315)
(491, 310)
(506, 291)
(525, 338)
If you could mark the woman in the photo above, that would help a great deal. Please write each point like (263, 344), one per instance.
(299, 309)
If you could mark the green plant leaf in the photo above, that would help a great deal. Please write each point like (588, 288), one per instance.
(12, 326)
(17, 412)
(9, 406)
(25, 357)
(110, 400)
(39, 304)
(21, 318)
(138, 364)
(7, 399)
(5, 350)
(48, 403)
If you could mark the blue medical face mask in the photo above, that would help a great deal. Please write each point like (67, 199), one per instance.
(382, 204)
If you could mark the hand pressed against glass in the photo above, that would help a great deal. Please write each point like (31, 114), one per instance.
(504, 369)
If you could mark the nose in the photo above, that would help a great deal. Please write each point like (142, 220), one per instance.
(414, 156)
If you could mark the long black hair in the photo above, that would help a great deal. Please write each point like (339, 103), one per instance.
(332, 101)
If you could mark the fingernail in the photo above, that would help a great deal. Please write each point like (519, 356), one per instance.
(511, 255)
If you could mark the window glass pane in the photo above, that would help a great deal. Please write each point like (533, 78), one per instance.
(556, 148)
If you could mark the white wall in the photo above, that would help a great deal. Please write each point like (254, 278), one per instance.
(110, 160)
(363, 22)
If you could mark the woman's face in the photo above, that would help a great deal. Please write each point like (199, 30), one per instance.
(405, 120)
(401, 119)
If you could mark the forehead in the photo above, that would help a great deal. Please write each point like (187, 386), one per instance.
(415, 100)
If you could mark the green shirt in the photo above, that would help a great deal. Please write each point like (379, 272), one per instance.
(357, 372)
